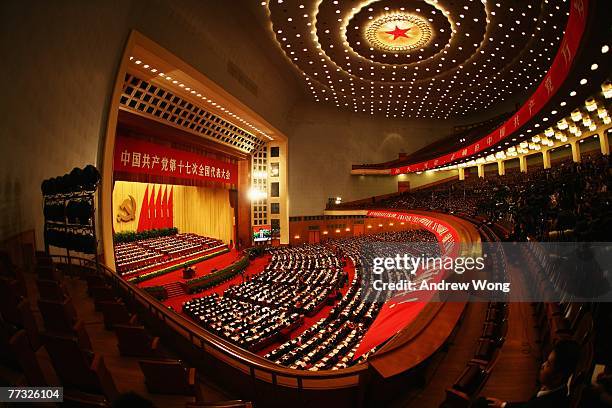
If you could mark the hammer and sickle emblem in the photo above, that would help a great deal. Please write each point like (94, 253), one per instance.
(127, 210)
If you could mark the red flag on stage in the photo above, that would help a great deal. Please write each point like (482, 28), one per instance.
(163, 221)
(171, 208)
(151, 208)
(157, 222)
(144, 211)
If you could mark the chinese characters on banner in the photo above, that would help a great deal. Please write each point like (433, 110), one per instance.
(137, 156)
(552, 81)
(444, 232)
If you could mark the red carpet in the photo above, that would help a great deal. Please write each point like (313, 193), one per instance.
(202, 268)
(256, 266)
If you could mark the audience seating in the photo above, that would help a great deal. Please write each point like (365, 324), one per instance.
(222, 404)
(51, 290)
(78, 368)
(134, 341)
(115, 312)
(19, 345)
(170, 377)
(78, 399)
(20, 315)
(134, 257)
(61, 318)
(58, 316)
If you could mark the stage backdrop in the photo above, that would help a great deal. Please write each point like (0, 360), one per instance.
(201, 210)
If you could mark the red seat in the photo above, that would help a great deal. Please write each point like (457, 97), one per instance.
(77, 368)
(51, 290)
(170, 377)
(114, 313)
(134, 341)
(20, 347)
(58, 316)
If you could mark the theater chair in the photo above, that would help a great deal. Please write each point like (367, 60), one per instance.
(51, 290)
(495, 331)
(103, 294)
(115, 312)
(19, 346)
(16, 353)
(134, 341)
(585, 329)
(580, 380)
(170, 377)
(486, 352)
(94, 281)
(21, 315)
(78, 399)
(60, 318)
(10, 295)
(222, 404)
(8, 270)
(77, 368)
(466, 387)
(48, 272)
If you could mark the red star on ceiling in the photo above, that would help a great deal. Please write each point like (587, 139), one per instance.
(398, 32)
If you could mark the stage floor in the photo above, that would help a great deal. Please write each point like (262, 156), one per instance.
(202, 268)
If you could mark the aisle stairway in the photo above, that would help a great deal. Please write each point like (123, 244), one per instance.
(175, 289)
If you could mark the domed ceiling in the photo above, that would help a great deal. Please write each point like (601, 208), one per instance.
(415, 58)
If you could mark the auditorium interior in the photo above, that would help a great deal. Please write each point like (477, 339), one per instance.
(306, 203)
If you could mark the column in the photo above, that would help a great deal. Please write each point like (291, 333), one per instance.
(481, 170)
(523, 163)
(546, 158)
(461, 173)
(575, 151)
(501, 167)
(604, 143)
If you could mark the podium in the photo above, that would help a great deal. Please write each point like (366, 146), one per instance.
(189, 273)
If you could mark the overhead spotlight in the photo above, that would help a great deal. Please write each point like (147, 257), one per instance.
(586, 121)
(562, 124)
(590, 104)
(606, 88)
(576, 115)
(573, 129)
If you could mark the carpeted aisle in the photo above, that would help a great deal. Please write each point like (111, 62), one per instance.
(256, 266)
(324, 312)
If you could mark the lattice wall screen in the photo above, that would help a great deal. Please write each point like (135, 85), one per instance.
(151, 100)
(259, 172)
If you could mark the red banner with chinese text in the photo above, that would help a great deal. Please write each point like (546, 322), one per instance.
(556, 75)
(138, 156)
(444, 232)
